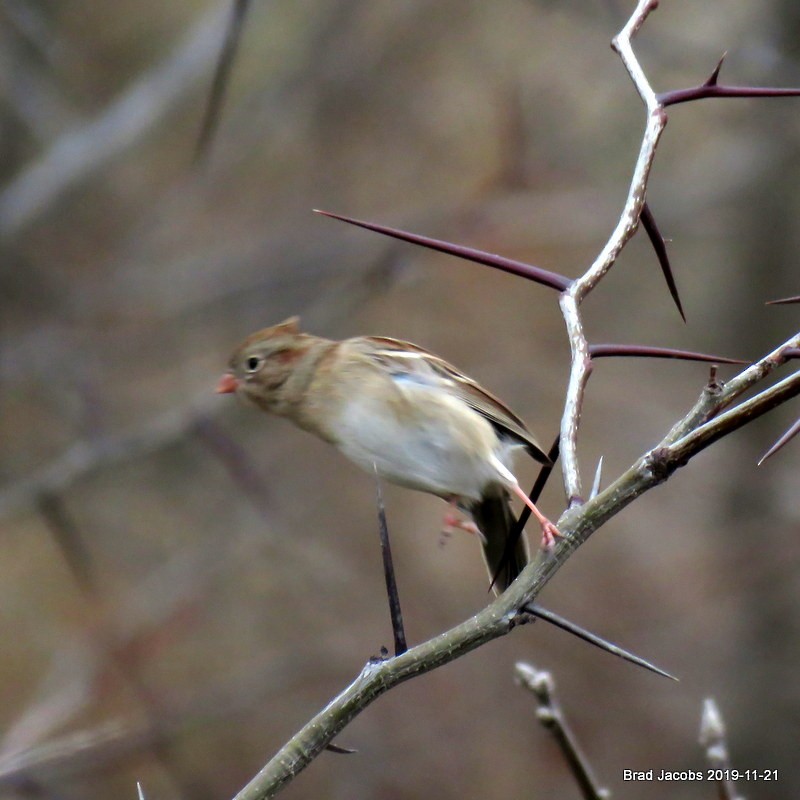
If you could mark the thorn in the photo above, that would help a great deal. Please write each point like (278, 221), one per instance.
(342, 751)
(712, 728)
(523, 270)
(660, 247)
(596, 485)
(784, 440)
(783, 301)
(627, 350)
(713, 77)
(591, 638)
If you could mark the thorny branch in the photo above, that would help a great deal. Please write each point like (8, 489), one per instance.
(626, 227)
(712, 417)
(681, 444)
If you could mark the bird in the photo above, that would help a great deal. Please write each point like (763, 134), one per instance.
(397, 410)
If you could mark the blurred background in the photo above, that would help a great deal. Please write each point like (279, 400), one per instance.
(183, 581)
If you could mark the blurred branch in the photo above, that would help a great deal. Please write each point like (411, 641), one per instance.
(30, 93)
(79, 153)
(85, 456)
(712, 739)
(216, 97)
(541, 684)
(92, 749)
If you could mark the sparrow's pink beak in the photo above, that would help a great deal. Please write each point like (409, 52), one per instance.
(227, 384)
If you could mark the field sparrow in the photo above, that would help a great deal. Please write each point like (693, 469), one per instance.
(394, 408)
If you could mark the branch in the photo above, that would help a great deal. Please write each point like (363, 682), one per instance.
(499, 618)
(85, 456)
(78, 154)
(713, 416)
(626, 227)
(710, 88)
(219, 85)
(712, 738)
(541, 684)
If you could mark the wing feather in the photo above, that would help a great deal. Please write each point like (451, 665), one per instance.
(417, 363)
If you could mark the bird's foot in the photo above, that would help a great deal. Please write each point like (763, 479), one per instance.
(452, 522)
(549, 534)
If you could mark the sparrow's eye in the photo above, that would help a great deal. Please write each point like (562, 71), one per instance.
(253, 363)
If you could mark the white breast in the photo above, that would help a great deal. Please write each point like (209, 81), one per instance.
(422, 437)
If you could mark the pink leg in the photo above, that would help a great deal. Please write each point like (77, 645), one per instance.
(549, 531)
(452, 521)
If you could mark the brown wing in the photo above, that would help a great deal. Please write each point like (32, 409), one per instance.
(414, 360)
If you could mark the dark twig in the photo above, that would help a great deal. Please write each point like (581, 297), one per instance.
(660, 246)
(565, 625)
(643, 351)
(712, 738)
(398, 630)
(68, 537)
(222, 73)
(784, 440)
(520, 268)
(552, 718)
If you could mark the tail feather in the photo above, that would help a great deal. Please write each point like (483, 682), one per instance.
(493, 517)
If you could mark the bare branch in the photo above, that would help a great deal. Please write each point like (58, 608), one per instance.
(712, 739)
(551, 716)
(501, 616)
(624, 231)
(79, 153)
(85, 456)
(216, 97)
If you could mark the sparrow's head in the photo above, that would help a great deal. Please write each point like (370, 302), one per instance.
(262, 364)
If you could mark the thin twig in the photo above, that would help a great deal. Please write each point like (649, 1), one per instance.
(216, 97)
(398, 631)
(712, 740)
(551, 716)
